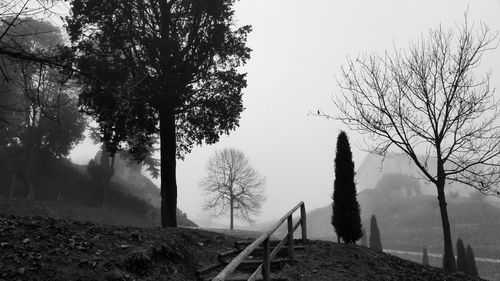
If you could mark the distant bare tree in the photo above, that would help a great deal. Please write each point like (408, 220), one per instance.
(428, 103)
(233, 185)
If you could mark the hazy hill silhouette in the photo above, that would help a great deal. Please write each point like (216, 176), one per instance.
(412, 222)
(64, 189)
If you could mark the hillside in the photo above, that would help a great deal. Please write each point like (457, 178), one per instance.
(65, 190)
(374, 167)
(36, 248)
(409, 223)
(326, 261)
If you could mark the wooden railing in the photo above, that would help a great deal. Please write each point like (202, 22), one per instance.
(265, 267)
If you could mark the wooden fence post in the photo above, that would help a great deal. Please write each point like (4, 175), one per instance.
(266, 265)
(264, 241)
(290, 239)
(303, 222)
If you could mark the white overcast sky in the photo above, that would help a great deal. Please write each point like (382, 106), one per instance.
(298, 48)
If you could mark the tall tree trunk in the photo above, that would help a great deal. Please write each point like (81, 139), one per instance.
(104, 161)
(29, 144)
(168, 144)
(231, 213)
(27, 171)
(448, 257)
(168, 147)
(12, 185)
(110, 170)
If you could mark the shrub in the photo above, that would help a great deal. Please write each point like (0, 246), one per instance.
(375, 241)
(471, 262)
(425, 258)
(461, 257)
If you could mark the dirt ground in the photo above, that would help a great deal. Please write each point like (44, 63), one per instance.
(38, 248)
(325, 261)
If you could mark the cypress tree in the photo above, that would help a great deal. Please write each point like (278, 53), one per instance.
(346, 218)
(375, 241)
(425, 258)
(364, 242)
(461, 257)
(471, 262)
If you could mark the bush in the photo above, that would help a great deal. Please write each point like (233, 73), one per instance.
(138, 262)
(425, 258)
(471, 262)
(375, 241)
(461, 257)
(364, 242)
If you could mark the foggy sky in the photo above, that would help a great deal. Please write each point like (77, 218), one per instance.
(298, 48)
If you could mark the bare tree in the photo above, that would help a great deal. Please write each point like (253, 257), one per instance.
(428, 103)
(16, 13)
(29, 40)
(38, 106)
(233, 185)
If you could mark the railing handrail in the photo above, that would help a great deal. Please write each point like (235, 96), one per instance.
(264, 238)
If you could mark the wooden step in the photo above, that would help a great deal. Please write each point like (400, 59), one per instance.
(242, 244)
(259, 278)
(282, 253)
(241, 276)
(230, 253)
(215, 266)
(251, 265)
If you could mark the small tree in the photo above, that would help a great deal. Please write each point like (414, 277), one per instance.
(345, 216)
(425, 258)
(364, 242)
(375, 242)
(471, 262)
(461, 257)
(233, 185)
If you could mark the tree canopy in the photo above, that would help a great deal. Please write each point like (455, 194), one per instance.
(167, 68)
(38, 104)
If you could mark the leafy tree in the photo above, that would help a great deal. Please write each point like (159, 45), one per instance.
(425, 257)
(461, 257)
(233, 185)
(38, 107)
(471, 263)
(346, 219)
(375, 241)
(428, 101)
(167, 68)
